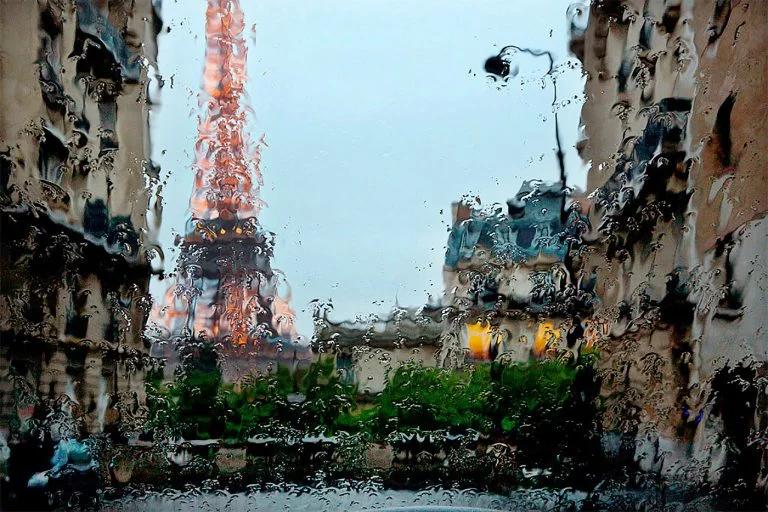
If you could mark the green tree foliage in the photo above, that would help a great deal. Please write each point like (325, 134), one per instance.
(434, 398)
(199, 405)
(521, 392)
(191, 405)
(260, 400)
(326, 396)
(546, 408)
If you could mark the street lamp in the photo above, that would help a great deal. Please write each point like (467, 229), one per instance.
(499, 65)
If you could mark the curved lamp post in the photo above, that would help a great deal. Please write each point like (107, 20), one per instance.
(498, 65)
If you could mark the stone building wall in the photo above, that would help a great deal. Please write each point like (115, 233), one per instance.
(675, 124)
(373, 367)
(368, 353)
(75, 186)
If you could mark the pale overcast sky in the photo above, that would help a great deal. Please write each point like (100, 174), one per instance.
(378, 115)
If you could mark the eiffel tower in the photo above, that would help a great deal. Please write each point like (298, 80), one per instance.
(226, 290)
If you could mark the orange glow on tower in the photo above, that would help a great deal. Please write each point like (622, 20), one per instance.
(227, 162)
(225, 286)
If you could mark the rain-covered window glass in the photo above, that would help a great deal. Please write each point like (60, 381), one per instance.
(383, 255)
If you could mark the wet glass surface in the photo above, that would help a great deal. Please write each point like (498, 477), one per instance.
(383, 255)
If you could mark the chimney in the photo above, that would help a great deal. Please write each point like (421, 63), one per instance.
(460, 212)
